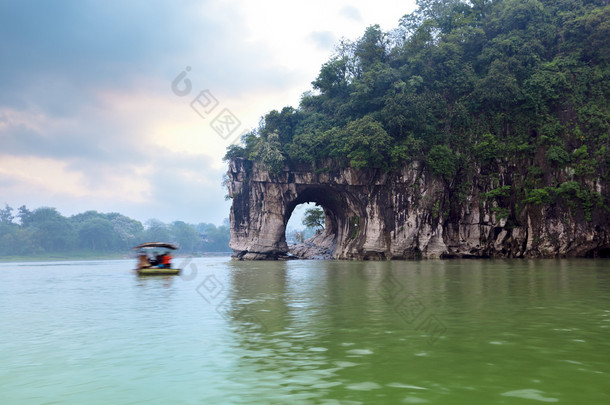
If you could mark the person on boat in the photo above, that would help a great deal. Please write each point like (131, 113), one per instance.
(155, 261)
(143, 262)
(166, 260)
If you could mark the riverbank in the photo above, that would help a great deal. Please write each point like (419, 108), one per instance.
(90, 256)
(66, 256)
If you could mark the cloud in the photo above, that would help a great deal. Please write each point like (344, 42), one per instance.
(323, 40)
(86, 95)
(351, 13)
(55, 176)
(190, 183)
(87, 116)
(65, 64)
(73, 48)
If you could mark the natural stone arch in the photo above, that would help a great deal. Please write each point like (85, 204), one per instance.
(263, 203)
(403, 214)
(368, 211)
(330, 201)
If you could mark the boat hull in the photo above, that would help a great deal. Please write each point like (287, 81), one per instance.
(154, 271)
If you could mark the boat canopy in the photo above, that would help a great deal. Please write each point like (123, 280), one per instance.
(157, 245)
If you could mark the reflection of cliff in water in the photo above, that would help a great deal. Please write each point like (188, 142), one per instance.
(314, 298)
(304, 324)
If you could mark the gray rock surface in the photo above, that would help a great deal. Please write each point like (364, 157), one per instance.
(373, 215)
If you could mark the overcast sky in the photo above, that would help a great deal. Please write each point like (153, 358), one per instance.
(93, 115)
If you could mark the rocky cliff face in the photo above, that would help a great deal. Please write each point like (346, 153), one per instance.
(401, 215)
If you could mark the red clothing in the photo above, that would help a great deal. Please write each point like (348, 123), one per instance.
(166, 260)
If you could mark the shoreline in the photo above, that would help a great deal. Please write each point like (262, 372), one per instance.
(59, 257)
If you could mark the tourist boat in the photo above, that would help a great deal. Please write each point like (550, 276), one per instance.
(154, 259)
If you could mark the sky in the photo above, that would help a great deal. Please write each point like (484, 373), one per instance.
(129, 106)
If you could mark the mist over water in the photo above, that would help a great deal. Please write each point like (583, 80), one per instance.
(310, 332)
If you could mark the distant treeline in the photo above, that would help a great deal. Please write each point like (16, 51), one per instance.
(45, 231)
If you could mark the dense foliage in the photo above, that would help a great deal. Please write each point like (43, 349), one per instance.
(314, 218)
(44, 231)
(463, 86)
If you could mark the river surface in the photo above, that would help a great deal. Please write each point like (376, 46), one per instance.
(306, 332)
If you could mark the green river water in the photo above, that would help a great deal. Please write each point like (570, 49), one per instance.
(306, 332)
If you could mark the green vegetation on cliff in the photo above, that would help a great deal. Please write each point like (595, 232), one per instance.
(478, 88)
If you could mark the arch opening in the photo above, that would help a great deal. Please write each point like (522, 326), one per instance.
(318, 245)
(298, 229)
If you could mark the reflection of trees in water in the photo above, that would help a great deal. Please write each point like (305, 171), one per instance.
(315, 299)
(312, 299)
(343, 330)
(273, 308)
(311, 322)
